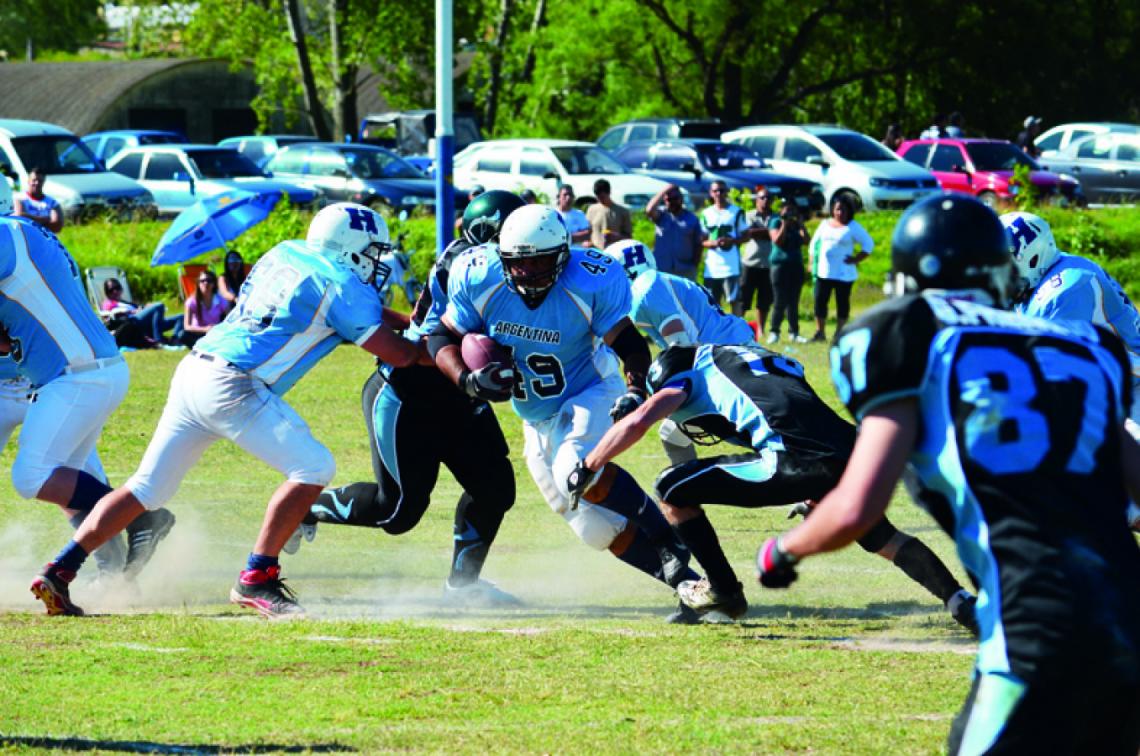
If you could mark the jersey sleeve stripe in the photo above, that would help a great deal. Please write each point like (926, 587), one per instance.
(367, 335)
(484, 299)
(583, 308)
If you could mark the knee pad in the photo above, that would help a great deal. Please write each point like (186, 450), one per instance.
(319, 468)
(28, 479)
(595, 526)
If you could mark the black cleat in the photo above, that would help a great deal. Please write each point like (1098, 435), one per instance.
(266, 593)
(143, 535)
(51, 587)
(684, 616)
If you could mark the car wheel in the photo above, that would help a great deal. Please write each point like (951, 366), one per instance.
(852, 197)
(990, 200)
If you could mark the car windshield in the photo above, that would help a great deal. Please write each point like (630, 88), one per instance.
(581, 161)
(379, 164)
(998, 156)
(161, 139)
(56, 154)
(856, 148)
(729, 157)
(223, 164)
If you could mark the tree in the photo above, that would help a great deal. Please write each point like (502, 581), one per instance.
(61, 25)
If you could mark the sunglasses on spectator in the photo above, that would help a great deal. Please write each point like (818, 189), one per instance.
(205, 280)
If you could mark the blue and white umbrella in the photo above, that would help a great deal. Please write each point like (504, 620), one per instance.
(211, 222)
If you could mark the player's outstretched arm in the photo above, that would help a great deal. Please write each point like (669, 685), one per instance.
(396, 350)
(1130, 463)
(887, 435)
(630, 429)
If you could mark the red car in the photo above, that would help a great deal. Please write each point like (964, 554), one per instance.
(984, 168)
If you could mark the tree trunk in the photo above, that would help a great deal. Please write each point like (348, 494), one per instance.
(312, 99)
(494, 91)
(539, 22)
(344, 75)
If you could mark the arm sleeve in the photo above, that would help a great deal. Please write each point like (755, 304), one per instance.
(1074, 296)
(354, 312)
(882, 356)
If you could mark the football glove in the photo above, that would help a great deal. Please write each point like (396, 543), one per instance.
(493, 382)
(579, 481)
(627, 403)
(775, 568)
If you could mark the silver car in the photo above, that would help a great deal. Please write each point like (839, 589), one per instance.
(1107, 165)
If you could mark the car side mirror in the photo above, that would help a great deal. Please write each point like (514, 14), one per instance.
(551, 175)
(692, 168)
(183, 176)
(817, 160)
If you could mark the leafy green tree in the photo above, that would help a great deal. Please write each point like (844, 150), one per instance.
(59, 25)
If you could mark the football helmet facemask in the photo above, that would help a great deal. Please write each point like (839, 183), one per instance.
(952, 242)
(1034, 249)
(634, 256)
(355, 237)
(534, 246)
(484, 216)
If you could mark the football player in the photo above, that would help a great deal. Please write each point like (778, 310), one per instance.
(674, 310)
(299, 302)
(564, 315)
(797, 447)
(64, 378)
(418, 420)
(1015, 429)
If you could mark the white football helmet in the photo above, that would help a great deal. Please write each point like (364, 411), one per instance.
(353, 236)
(5, 196)
(634, 256)
(1033, 246)
(534, 246)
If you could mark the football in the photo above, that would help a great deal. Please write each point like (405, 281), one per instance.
(479, 350)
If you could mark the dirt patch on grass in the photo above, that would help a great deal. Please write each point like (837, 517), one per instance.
(908, 646)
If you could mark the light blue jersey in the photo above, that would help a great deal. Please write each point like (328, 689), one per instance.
(436, 299)
(293, 309)
(557, 346)
(42, 305)
(9, 370)
(659, 298)
(1078, 289)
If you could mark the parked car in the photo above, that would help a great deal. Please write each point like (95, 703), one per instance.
(1056, 139)
(1107, 165)
(178, 175)
(260, 149)
(643, 129)
(411, 134)
(543, 165)
(75, 177)
(845, 162)
(695, 164)
(107, 144)
(984, 168)
(360, 173)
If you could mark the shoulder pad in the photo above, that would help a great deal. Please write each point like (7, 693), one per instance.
(672, 363)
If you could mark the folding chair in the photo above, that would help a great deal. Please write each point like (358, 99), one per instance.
(95, 276)
(188, 278)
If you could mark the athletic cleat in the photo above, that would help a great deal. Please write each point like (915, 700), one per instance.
(308, 532)
(478, 594)
(699, 596)
(674, 563)
(265, 592)
(965, 613)
(683, 616)
(51, 587)
(143, 535)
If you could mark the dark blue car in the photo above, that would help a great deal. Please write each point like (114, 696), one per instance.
(694, 164)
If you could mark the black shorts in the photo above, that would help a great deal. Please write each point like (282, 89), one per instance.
(418, 420)
(758, 282)
(822, 295)
(749, 480)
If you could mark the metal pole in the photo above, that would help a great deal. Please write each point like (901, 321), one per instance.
(444, 130)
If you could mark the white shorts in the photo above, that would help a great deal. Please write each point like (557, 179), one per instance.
(210, 401)
(13, 406)
(553, 448)
(62, 425)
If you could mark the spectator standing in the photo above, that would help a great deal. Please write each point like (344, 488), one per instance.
(678, 238)
(36, 206)
(574, 218)
(894, 137)
(204, 309)
(233, 276)
(955, 129)
(609, 221)
(833, 261)
(788, 238)
(1025, 138)
(724, 227)
(937, 129)
(756, 271)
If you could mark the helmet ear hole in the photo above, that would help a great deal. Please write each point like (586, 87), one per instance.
(1033, 261)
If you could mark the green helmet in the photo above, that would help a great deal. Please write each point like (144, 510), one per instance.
(485, 214)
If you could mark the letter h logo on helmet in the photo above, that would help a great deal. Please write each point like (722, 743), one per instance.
(361, 220)
(635, 255)
(1021, 234)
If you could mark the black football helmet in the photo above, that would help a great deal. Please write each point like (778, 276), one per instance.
(484, 216)
(952, 242)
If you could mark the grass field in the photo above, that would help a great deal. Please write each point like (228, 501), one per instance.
(854, 659)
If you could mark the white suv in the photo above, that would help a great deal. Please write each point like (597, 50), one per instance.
(543, 165)
(843, 161)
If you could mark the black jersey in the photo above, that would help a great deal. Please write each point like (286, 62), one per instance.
(1018, 458)
(752, 397)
